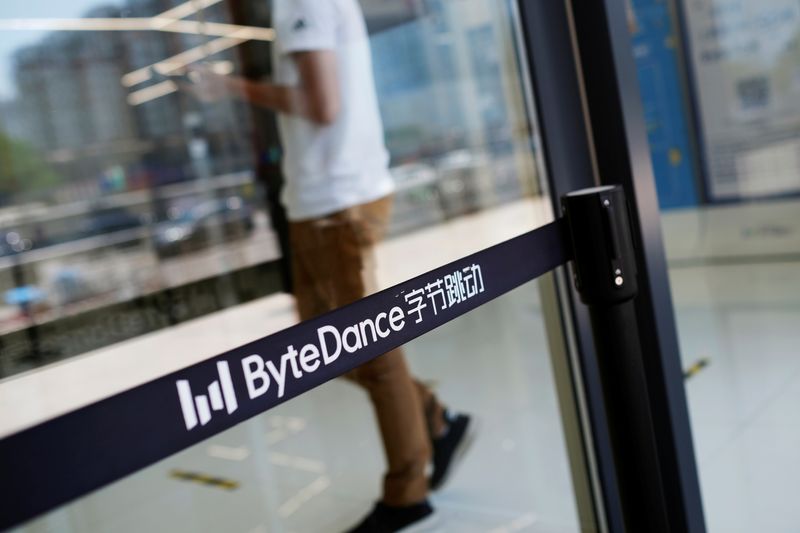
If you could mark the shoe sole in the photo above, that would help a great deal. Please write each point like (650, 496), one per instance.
(466, 443)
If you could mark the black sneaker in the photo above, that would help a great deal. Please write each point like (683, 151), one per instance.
(388, 519)
(449, 448)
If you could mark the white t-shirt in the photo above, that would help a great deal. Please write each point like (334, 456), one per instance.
(344, 164)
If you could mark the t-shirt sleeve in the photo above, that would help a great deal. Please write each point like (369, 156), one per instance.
(307, 25)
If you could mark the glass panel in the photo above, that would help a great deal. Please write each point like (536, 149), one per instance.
(312, 464)
(127, 206)
(731, 229)
(180, 178)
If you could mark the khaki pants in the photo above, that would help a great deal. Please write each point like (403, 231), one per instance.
(333, 265)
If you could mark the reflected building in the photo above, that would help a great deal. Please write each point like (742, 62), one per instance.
(448, 89)
(68, 85)
(79, 110)
(69, 94)
(72, 105)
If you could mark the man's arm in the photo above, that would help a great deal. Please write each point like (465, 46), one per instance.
(316, 98)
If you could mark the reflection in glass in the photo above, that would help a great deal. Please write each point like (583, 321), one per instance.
(152, 213)
(106, 160)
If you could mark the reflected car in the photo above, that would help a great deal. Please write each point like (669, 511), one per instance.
(413, 175)
(13, 242)
(416, 199)
(204, 224)
(103, 221)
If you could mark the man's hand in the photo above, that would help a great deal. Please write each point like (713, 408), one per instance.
(317, 98)
(206, 85)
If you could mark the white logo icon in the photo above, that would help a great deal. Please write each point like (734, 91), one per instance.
(220, 395)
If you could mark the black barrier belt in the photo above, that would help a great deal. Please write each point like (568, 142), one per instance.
(64, 458)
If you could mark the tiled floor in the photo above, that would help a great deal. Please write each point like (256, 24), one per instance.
(736, 290)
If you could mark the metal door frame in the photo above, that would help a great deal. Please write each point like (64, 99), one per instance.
(586, 94)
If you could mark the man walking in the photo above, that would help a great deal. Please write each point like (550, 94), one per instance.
(338, 197)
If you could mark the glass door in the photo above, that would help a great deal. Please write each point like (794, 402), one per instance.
(180, 179)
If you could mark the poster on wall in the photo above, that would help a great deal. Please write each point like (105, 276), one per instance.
(745, 57)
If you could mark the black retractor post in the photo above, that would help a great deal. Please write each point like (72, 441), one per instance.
(604, 271)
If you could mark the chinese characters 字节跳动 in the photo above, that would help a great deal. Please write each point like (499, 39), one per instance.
(445, 292)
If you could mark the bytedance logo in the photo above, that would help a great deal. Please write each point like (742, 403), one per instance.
(262, 374)
(220, 396)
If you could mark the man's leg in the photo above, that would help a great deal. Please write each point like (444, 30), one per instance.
(432, 410)
(447, 432)
(403, 429)
(332, 265)
(373, 218)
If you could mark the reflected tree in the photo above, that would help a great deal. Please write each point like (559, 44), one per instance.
(23, 170)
